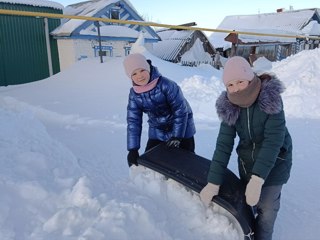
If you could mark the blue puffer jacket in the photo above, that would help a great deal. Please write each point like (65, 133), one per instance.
(169, 113)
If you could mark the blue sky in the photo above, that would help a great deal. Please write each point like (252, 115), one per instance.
(206, 13)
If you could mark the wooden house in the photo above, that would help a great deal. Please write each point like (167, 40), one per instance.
(294, 22)
(187, 47)
(79, 39)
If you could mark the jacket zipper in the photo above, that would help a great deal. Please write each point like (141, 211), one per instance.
(253, 143)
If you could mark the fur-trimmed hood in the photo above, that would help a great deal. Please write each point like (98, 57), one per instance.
(269, 100)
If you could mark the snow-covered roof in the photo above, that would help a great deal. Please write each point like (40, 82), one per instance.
(101, 8)
(313, 28)
(168, 49)
(175, 34)
(287, 22)
(257, 38)
(196, 53)
(36, 3)
(87, 8)
(171, 43)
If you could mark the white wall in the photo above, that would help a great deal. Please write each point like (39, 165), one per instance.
(83, 49)
(73, 50)
(66, 53)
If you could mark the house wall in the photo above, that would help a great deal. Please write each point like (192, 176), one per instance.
(73, 50)
(66, 53)
(273, 51)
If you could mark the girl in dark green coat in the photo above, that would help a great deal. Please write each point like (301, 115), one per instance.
(252, 109)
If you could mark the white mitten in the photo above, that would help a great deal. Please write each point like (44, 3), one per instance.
(253, 190)
(208, 192)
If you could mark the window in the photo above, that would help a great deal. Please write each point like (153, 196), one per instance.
(127, 50)
(114, 14)
(106, 51)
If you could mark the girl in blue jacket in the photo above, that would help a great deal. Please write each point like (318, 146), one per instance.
(170, 117)
(252, 109)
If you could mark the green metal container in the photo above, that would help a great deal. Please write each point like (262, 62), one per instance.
(23, 51)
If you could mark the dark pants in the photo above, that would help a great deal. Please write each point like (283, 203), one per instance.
(186, 143)
(267, 210)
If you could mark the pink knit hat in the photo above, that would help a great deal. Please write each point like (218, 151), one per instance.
(134, 61)
(237, 68)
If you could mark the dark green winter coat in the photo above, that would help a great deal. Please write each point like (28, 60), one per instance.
(265, 146)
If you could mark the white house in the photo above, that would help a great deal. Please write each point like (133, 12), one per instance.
(79, 39)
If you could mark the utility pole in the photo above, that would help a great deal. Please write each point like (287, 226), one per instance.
(96, 23)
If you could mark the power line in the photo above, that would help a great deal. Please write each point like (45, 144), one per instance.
(143, 23)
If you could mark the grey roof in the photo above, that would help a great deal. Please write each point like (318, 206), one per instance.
(171, 43)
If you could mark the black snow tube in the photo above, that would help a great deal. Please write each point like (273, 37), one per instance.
(191, 170)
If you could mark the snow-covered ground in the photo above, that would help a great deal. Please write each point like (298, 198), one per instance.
(64, 173)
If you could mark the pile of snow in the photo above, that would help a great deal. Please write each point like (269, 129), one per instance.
(63, 154)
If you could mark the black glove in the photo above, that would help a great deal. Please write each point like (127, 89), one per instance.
(174, 142)
(133, 157)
